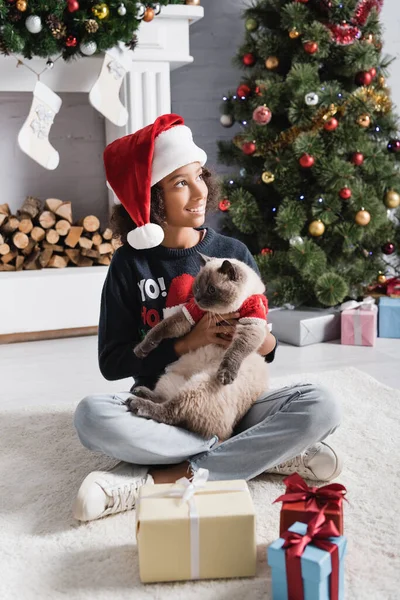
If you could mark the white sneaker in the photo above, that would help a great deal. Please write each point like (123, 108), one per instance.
(104, 493)
(320, 462)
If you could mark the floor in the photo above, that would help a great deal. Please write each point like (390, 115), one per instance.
(66, 370)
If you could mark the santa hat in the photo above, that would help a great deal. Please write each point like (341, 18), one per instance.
(138, 161)
(179, 293)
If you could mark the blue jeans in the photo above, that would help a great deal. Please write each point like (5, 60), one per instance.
(280, 425)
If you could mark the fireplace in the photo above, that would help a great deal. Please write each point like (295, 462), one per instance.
(60, 302)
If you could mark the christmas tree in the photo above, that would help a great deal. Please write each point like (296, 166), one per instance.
(317, 181)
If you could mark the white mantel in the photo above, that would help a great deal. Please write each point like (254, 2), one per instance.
(70, 305)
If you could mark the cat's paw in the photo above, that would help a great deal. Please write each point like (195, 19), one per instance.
(226, 376)
(139, 406)
(142, 392)
(142, 349)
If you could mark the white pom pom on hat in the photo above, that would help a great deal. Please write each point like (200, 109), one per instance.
(136, 162)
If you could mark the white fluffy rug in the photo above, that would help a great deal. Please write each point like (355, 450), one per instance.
(46, 555)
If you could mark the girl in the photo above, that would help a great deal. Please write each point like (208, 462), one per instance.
(163, 189)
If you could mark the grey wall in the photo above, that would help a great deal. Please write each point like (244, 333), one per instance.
(197, 90)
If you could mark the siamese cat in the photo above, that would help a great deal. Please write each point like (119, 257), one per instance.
(210, 389)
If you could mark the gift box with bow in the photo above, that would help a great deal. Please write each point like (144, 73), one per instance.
(359, 322)
(307, 562)
(302, 502)
(389, 317)
(195, 529)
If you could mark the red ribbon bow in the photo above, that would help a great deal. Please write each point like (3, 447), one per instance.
(314, 497)
(318, 530)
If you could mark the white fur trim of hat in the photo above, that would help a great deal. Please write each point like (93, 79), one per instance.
(173, 149)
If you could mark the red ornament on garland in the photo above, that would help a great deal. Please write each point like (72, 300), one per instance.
(243, 91)
(331, 124)
(345, 193)
(248, 148)
(306, 161)
(71, 41)
(267, 251)
(388, 248)
(364, 78)
(372, 72)
(249, 59)
(224, 204)
(73, 6)
(310, 47)
(357, 158)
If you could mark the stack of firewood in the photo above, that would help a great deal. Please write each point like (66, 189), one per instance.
(40, 236)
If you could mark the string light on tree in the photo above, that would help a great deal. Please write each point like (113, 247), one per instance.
(393, 146)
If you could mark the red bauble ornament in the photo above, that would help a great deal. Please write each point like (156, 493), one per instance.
(73, 6)
(262, 115)
(345, 193)
(267, 251)
(310, 47)
(257, 90)
(388, 248)
(243, 90)
(357, 158)
(249, 59)
(364, 78)
(249, 147)
(331, 124)
(224, 205)
(306, 161)
(71, 41)
(372, 72)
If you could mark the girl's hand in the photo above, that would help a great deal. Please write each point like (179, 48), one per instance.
(207, 331)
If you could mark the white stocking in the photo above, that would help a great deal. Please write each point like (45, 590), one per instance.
(104, 95)
(33, 137)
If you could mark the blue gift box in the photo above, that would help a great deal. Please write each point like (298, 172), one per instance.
(389, 317)
(316, 567)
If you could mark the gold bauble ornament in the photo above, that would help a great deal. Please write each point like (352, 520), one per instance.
(381, 279)
(392, 199)
(368, 38)
(149, 15)
(364, 120)
(316, 228)
(272, 62)
(101, 11)
(21, 5)
(362, 217)
(193, 2)
(294, 34)
(268, 177)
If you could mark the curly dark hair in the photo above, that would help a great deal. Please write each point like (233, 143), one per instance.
(121, 223)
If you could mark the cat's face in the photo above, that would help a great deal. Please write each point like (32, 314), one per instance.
(218, 286)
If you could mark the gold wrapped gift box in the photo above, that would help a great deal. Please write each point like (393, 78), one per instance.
(209, 535)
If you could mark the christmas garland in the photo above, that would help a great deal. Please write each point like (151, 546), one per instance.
(72, 28)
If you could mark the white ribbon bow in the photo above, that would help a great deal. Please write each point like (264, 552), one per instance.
(186, 493)
(367, 304)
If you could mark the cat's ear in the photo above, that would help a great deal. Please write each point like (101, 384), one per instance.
(229, 269)
(204, 258)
